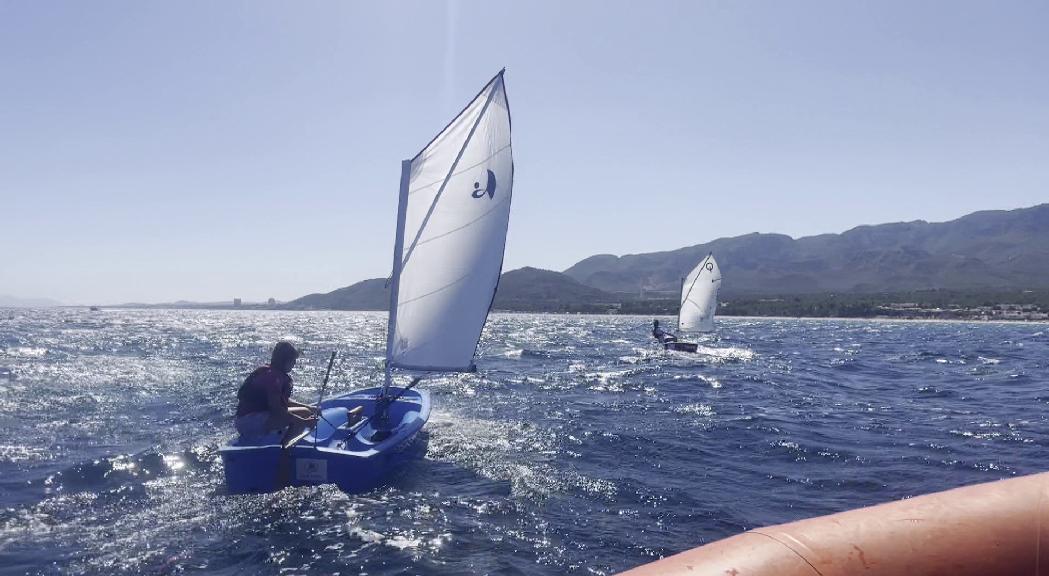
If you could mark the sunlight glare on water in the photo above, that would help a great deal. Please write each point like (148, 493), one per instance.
(578, 446)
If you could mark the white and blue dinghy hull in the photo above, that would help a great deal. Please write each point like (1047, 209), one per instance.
(340, 450)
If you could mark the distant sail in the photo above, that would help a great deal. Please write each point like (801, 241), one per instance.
(699, 296)
(455, 221)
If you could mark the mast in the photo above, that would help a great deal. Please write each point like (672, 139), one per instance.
(395, 278)
(681, 302)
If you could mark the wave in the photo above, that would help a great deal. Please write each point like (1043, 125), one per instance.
(108, 440)
(514, 452)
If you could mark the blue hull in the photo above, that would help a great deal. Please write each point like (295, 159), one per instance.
(335, 453)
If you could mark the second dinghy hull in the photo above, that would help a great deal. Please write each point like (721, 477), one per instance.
(681, 346)
(340, 450)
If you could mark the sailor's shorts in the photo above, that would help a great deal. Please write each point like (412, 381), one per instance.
(253, 425)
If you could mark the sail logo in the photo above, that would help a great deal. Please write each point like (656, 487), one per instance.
(489, 189)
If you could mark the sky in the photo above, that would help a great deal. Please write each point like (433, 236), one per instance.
(157, 151)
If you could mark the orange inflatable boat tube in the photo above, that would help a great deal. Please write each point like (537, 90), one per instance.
(998, 528)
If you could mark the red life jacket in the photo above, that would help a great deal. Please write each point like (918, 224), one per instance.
(254, 393)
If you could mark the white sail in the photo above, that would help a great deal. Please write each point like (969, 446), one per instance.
(452, 226)
(699, 296)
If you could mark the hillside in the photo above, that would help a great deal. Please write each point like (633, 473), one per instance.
(525, 289)
(984, 250)
(7, 301)
(365, 295)
(535, 290)
(987, 254)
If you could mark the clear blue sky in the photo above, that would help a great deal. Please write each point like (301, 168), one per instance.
(151, 151)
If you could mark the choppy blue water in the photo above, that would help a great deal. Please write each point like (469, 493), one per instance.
(577, 448)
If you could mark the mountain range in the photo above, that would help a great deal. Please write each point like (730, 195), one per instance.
(8, 301)
(983, 250)
(988, 250)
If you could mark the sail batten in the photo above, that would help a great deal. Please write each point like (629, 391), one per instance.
(699, 296)
(456, 209)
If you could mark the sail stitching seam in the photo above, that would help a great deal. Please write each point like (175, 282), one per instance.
(432, 292)
(467, 169)
(470, 223)
(432, 368)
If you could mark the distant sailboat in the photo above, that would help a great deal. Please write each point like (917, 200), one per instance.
(699, 301)
(699, 297)
(452, 219)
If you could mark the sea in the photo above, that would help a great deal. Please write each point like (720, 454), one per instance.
(578, 447)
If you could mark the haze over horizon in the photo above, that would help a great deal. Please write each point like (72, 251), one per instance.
(204, 151)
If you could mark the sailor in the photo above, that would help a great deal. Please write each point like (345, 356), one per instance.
(264, 401)
(661, 335)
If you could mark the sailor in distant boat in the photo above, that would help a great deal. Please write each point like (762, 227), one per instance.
(662, 335)
(264, 401)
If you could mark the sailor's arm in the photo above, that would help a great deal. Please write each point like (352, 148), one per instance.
(293, 403)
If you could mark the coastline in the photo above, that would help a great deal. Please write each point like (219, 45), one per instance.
(555, 313)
